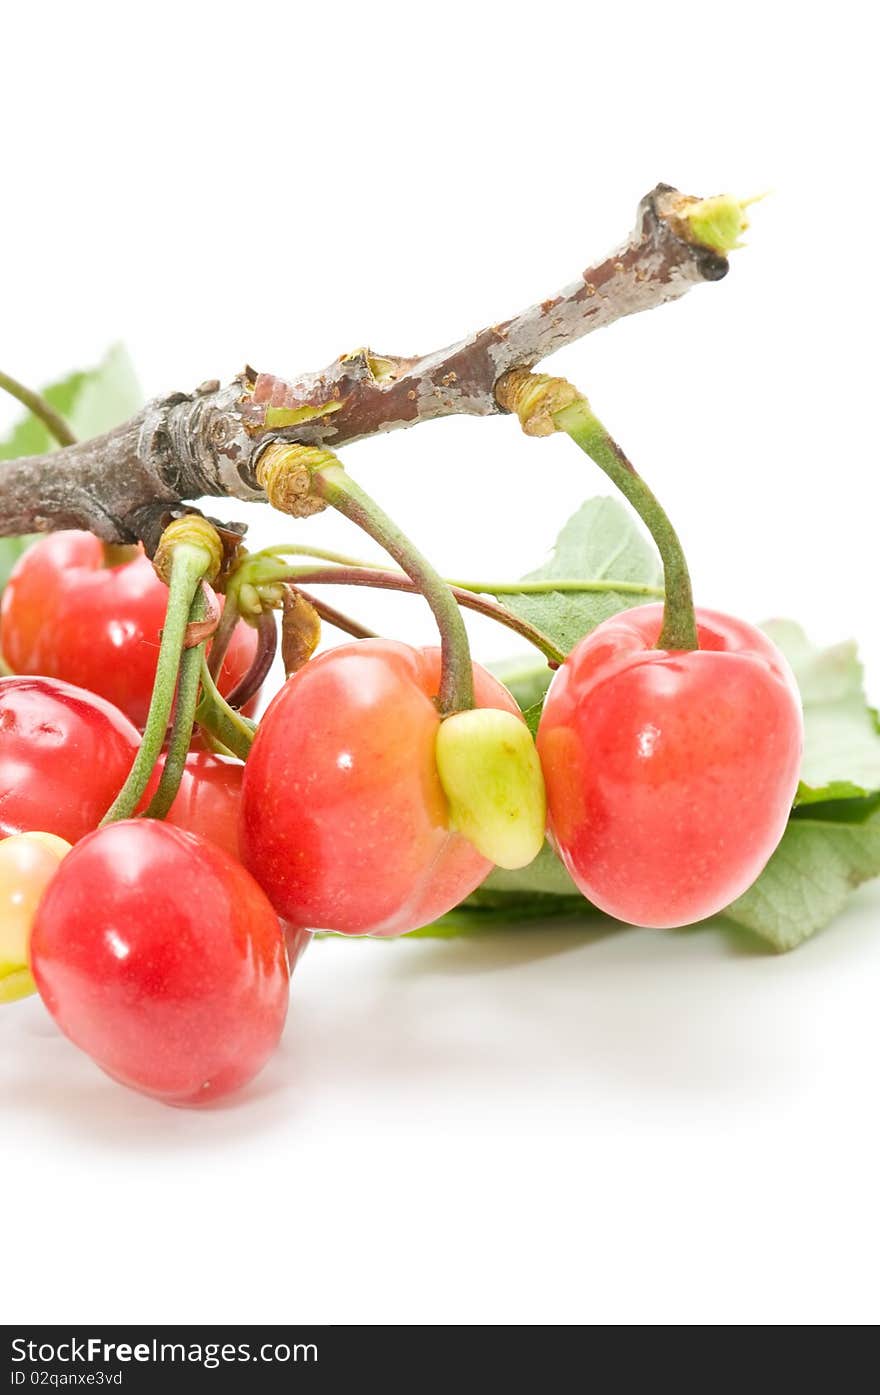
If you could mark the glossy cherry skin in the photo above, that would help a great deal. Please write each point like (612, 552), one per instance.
(670, 775)
(208, 803)
(208, 800)
(64, 756)
(160, 957)
(66, 615)
(344, 821)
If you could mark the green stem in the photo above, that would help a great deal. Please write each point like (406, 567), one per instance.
(184, 719)
(338, 618)
(399, 581)
(188, 567)
(542, 588)
(679, 630)
(456, 693)
(488, 588)
(320, 554)
(44, 411)
(227, 726)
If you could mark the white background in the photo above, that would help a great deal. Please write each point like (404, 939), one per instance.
(545, 1124)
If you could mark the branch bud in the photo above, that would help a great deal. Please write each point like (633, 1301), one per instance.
(190, 530)
(716, 223)
(285, 472)
(535, 398)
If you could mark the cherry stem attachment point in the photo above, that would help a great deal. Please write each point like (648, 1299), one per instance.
(188, 565)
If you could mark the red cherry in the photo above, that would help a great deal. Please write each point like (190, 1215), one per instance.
(160, 957)
(344, 820)
(208, 800)
(64, 756)
(670, 775)
(66, 615)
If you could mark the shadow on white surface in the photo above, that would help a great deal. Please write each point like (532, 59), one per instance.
(554, 1019)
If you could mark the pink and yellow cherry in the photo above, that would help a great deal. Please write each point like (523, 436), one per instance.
(345, 822)
(670, 774)
(28, 862)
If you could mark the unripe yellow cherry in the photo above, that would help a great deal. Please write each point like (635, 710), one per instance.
(492, 778)
(28, 862)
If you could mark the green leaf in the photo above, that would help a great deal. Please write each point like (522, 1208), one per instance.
(601, 542)
(92, 401)
(546, 876)
(842, 740)
(527, 679)
(809, 878)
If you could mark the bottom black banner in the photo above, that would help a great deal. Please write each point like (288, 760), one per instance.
(136, 1358)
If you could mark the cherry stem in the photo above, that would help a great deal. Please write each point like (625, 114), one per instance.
(338, 618)
(543, 588)
(489, 588)
(321, 554)
(267, 646)
(397, 581)
(37, 405)
(456, 694)
(223, 634)
(184, 718)
(227, 726)
(189, 565)
(679, 629)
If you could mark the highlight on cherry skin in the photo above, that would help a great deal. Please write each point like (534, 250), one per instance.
(180, 996)
(670, 775)
(64, 753)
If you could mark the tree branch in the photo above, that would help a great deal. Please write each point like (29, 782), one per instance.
(206, 443)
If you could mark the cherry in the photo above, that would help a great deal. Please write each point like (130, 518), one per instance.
(670, 774)
(64, 754)
(160, 957)
(208, 803)
(28, 862)
(344, 820)
(68, 615)
(208, 800)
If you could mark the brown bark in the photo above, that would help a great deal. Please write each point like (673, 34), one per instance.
(120, 486)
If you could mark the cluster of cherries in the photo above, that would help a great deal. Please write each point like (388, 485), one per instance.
(158, 903)
(163, 948)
